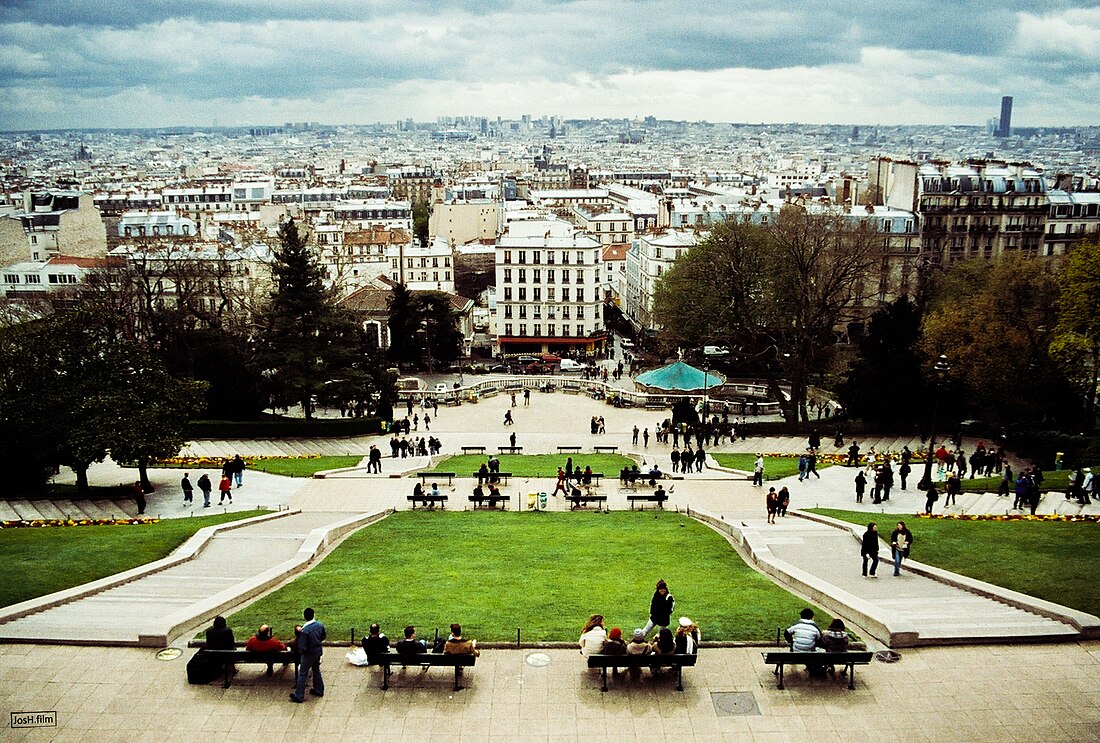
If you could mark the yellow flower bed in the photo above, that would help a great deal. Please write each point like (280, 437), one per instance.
(842, 459)
(1017, 517)
(23, 523)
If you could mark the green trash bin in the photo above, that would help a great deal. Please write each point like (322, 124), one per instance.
(1058, 460)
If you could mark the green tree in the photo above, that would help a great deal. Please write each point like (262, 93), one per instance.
(421, 213)
(774, 293)
(423, 326)
(995, 321)
(886, 383)
(1076, 341)
(312, 349)
(402, 326)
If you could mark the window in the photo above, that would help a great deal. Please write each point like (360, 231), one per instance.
(523, 256)
(507, 275)
(523, 276)
(580, 257)
(393, 263)
(565, 276)
(580, 330)
(580, 295)
(550, 295)
(523, 312)
(551, 330)
(33, 278)
(536, 312)
(507, 328)
(565, 313)
(549, 257)
(538, 329)
(435, 262)
(507, 312)
(186, 229)
(657, 254)
(580, 313)
(537, 277)
(11, 278)
(523, 294)
(550, 276)
(580, 276)
(446, 275)
(523, 329)
(508, 259)
(508, 295)
(565, 330)
(34, 238)
(435, 275)
(536, 294)
(565, 257)
(446, 261)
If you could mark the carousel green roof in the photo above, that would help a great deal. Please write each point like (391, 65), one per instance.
(680, 377)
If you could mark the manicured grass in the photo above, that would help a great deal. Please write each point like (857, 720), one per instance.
(304, 467)
(1056, 561)
(543, 573)
(1052, 480)
(41, 561)
(536, 465)
(775, 468)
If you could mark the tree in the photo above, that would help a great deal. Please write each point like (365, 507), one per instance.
(421, 213)
(775, 294)
(1076, 341)
(423, 325)
(74, 387)
(995, 321)
(886, 383)
(313, 350)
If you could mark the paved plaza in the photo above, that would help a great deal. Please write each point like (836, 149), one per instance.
(1001, 691)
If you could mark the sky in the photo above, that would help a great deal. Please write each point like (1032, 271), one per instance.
(150, 63)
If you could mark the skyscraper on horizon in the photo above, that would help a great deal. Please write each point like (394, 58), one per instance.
(1005, 128)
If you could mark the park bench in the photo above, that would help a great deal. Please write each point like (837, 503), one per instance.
(492, 476)
(510, 449)
(425, 476)
(492, 499)
(428, 500)
(652, 662)
(229, 658)
(427, 660)
(651, 498)
(489, 393)
(605, 449)
(656, 405)
(473, 450)
(595, 478)
(569, 449)
(849, 659)
(578, 501)
(571, 389)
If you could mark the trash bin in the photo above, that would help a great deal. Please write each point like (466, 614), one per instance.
(542, 501)
(1058, 460)
(532, 500)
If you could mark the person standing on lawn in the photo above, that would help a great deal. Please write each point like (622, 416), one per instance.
(901, 540)
(660, 608)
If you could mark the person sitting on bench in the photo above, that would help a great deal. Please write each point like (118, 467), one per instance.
(479, 492)
(614, 644)
(634, 473)
(410, 645)
(494, 491)
(457, 645)
(376, 642)
(687, 637)
(264, 642)
(804, 637)
(624, 476)
(660, 492)
(575, 492)
(663, 643)
(482, 473)
(418, 491)
(835, 640)
(593, 636)
(587, 477)
(654, 475)
(435, 490)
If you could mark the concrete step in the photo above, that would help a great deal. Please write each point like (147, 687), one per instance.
(7, 513)
(47, 509)
(72, 510)
(25, 509)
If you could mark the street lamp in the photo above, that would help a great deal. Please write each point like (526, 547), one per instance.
(427, 343)
(941, 368)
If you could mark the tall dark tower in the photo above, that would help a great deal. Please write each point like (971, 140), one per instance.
(1005, 128)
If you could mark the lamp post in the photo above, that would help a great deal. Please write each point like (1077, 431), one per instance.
(941, 368)
(427, 343)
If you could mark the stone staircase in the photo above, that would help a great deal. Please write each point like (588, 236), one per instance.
(1051, 503)
(30, 510)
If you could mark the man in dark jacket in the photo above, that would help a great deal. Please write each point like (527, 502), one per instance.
(310, 648)
(869, 549)
(410, 645)
(660, 607)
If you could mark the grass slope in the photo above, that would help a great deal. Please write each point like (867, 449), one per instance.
(291, 467)
(544, 573)
(1056, 561)
(775, 468)
(41, 561)
(536, 465)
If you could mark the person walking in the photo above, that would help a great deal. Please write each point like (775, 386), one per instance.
(237, 467)
(868, 549)
(188, 488)
(645, 438)
(310, 650)
(771, 501)
(634, 440)
(225, 487)
(526, 397)
(901, 540)
(205, 486)
(903, 471)
(861, 486)
(758, 471)
(930, 497)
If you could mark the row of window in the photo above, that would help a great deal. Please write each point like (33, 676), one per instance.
(551, 312)
(551, 276)
(551, 330)
(140, 230)
(33, 278)
(536, 256)
(372, 214)
(536, 294)
(196, 198)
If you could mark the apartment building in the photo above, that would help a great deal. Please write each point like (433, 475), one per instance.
(45, 224)
(423, 267)
(648, 258)
(548, 279)
(461, 222)
(609, 226)
(1071, 218)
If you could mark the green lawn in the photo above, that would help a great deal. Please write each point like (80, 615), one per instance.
(1052, 480)
(536, 465)
(304, 467)
(775, 468)
(544, 573)
(41, 561)
(1056, 561)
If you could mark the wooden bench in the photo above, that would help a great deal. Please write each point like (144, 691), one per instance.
(850, 660)
(425, 476)
(571, 389)
(387, 660)
(678, 661)
(492, 499)
(230, 658)
(595, 478)
(579, 500)
(473, 450)
(492, 476)
(510, 449)
(605, 449)
(428, 500)
(656, 405)
(651, 498)
(572, 449)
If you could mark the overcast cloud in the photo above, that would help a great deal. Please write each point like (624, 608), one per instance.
(85, 63)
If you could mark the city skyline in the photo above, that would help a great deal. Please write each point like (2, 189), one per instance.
(85, 64)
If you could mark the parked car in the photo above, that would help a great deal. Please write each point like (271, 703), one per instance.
(570, 366)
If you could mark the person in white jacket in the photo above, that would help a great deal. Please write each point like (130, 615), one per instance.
(593, 636)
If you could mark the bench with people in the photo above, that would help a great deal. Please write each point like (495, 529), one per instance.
(220, 656)
(453, 652)
(579, 498)
(427, 498)
(658, 496)
(603, 649)
(819, 651)
(480, 497)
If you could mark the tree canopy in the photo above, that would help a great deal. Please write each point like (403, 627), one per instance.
(1076, 341)
(423, 326)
